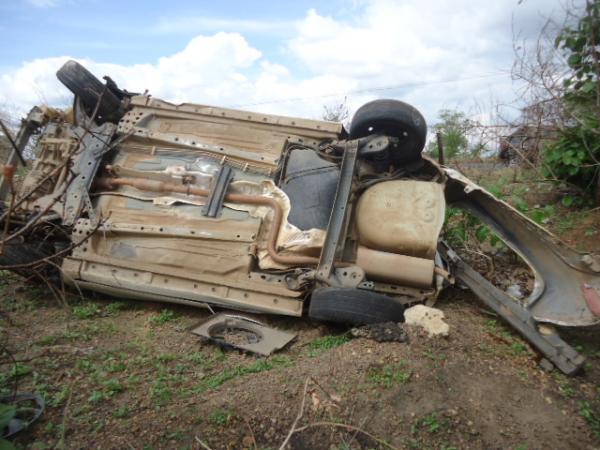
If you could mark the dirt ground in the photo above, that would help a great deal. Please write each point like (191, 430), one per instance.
(130, 375)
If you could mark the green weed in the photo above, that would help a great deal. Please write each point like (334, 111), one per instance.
(388, 375)
(166, 315)
(220, 417)
(86, 311)
(430, 423)
(322, 344)
(122, 412)
(591, 417)
(112, 387)
(96, 397)
(114, 307)
(214, 381)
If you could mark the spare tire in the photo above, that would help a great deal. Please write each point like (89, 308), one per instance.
(395, 119)
(354, 306)
(90, 90)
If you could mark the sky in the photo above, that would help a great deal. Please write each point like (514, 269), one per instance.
(284, 57)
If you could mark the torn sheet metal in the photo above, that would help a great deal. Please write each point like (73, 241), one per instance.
(564, 278)
(243, 333)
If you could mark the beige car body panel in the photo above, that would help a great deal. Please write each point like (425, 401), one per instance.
(170, 252)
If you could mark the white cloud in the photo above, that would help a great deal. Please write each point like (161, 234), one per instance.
(417, 44)
(208, 68)
(411, 47)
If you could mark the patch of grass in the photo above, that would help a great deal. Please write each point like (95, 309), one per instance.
(322, 344)
(166, 315)
(60, 397)
(113, 365)
(565, 224)
(176, 435)
(588, 349)
(591, 417)
(7, 377)
(518, 348)
(96, 397)
(199, 359)
(84, 364)
(69, 336)
(214, 381)
(161, 392)
(511, 345)
(122, 412)
(429, 353)
(86, 311)
(15, 304)
(389, 375)
(115, 307)
(112, 387)
(430, 423)
(166, 357)
(564, 385)
(219, 417)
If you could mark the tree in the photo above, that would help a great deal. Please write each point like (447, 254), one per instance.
(575, 156)
(454, 127)
(338, 112)
(560, 75)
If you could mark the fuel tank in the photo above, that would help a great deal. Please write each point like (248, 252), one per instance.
(401, 216)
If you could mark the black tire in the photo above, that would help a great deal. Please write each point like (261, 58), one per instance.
(88, 88)
(354, 306)
(396, 119)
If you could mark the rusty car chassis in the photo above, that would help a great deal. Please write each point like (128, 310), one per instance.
(132, 196)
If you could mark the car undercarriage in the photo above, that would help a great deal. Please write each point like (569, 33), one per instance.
(136, 197)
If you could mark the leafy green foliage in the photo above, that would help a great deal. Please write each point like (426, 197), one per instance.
(572, 157)
(575, 155)
(7, 413)
(461, 226)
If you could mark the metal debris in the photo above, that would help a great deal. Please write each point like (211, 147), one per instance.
(244, 333)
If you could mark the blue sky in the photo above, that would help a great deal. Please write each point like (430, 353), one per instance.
(272, 56)
(137, 31)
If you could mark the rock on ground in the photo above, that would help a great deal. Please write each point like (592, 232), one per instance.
(430, 319)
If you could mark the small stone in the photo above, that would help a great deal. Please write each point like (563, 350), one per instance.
(430, 319)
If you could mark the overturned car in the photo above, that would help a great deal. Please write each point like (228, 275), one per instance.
(136, 197)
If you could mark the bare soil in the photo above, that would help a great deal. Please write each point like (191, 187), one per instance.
(123, 375)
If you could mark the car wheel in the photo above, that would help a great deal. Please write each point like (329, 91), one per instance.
(396, 119)
(354, 306)
(89, 89)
